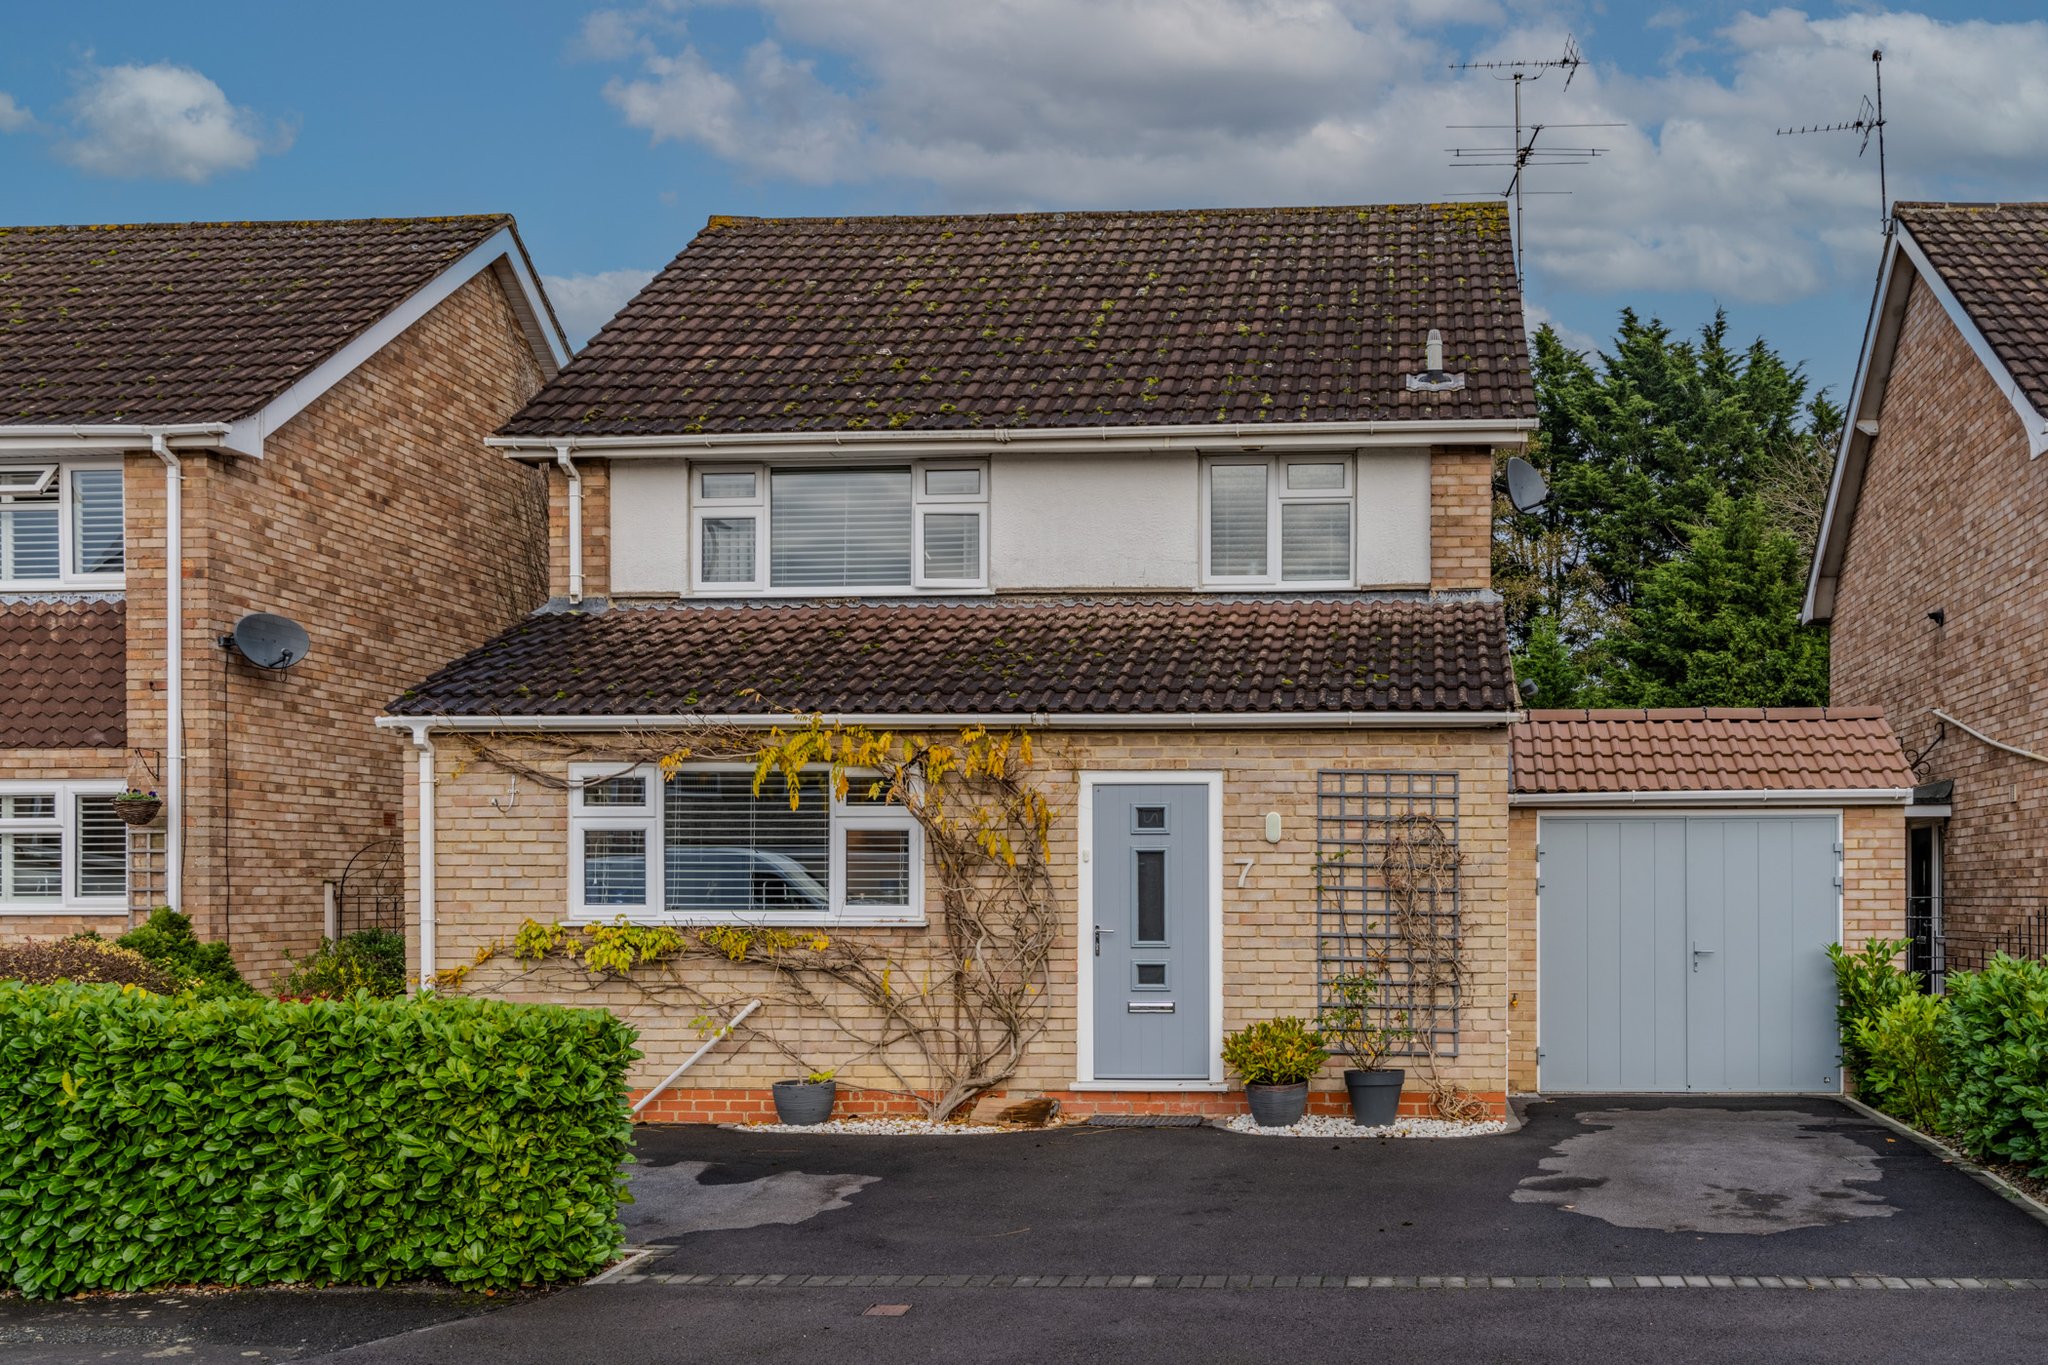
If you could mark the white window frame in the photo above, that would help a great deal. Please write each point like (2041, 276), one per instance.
(68, 575)
(758, 508)
(65, 824)
(1277, 496)
(648, 817)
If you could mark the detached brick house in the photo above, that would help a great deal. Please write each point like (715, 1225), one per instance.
(1932, 566)
(1188, 496)
(316, 394)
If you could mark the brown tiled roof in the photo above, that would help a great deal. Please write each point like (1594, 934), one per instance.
(1114, 657)
(1785, 749)
(183, 322)
(1057, 320)
(1994, 259)
(63, 674)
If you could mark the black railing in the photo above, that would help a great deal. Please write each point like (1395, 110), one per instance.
(1941, 937)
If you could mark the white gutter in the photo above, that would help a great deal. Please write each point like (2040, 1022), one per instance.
(424, 743)
(1274, 435)
(1176, 720)
(568, 465)
(111, 437)
(1810, 796)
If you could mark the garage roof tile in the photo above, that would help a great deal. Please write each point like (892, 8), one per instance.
(1708, 749)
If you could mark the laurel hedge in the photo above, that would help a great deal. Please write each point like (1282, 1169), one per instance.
(149, 1140)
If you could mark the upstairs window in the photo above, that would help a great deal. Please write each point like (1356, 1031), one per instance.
(700, 847)
(60, 525)
(1284, 521)
(808, 531)
(62, 848)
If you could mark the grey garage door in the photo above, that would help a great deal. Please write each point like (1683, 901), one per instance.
(1687, 953)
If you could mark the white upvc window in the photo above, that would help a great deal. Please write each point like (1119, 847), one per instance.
(836, 531)
(701, 848)
(62, 849)
(61, 524)
(1288, 520)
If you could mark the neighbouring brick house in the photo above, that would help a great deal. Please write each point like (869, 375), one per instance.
(1183, 495)
(1932, 566)
(319, 392)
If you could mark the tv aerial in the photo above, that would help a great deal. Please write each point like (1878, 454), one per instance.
(269, 642)
(1869, 119)
(1523, 153)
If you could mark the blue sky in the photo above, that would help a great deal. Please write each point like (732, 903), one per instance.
(612, 132)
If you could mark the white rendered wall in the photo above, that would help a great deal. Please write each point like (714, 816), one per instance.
(1393, 519)
(650, 526)
(1094, 521)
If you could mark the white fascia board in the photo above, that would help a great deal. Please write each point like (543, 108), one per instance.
(248, 433)
(1326, 720)
(108, 438)
(1813, 796)
(1051, 440)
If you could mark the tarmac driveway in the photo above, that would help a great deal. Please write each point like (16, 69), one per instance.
(1174, 1246)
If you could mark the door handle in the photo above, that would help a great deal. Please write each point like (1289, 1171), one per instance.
(1099, 932)
(1698, 953)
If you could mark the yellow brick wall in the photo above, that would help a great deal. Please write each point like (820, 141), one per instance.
(1460, 518)
(379, 521)
(1873, 906)
(1954, 516)
(597, 528)
(499, 865)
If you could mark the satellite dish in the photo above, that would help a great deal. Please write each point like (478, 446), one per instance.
(1526, 489)
(269, 641)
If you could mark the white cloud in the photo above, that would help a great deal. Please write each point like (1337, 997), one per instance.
(163, 122)
(585, 303)
(13, 117)
(1080, 103)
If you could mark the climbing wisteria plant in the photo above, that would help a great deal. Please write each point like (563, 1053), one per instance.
(947, 1013)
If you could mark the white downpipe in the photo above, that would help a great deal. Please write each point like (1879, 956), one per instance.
(718, 1036)
(424, 742)
(568, 464)
(174, 671)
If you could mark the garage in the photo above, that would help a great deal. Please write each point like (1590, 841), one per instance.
(1690, 870)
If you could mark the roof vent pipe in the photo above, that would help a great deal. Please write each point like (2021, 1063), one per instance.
(1434, 379)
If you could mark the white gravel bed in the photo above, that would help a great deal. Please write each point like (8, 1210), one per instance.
(878, 1127)
(1330, 1126)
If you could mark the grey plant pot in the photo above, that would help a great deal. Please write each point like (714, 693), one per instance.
(803, 1103)
(1375, 1096)
(1276, 1106)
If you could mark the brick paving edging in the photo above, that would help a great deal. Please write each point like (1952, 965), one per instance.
(1424, 1282)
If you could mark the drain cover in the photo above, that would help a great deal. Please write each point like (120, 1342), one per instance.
(1145, 1120)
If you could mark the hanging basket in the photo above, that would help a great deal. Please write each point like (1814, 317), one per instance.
(138, 810)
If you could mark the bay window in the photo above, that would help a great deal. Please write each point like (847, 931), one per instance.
(1278, 521)
(62, 849)
(701, 847)
(827, 531)
(60, 525)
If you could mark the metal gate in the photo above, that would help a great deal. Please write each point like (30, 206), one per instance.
(1688, 953)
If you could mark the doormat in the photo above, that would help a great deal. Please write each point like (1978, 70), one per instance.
(1145, 1120)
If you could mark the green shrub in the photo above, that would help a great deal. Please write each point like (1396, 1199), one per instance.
(370, 960)
(1906, 1047)
(1275, 1052)
(81, 958)
(167, 940)
(1998, 1034)
(1866, 981)
(153, 1140)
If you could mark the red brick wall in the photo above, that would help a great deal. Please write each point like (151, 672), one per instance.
(1954, 515)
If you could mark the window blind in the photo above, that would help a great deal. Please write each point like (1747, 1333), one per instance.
(30, 866)
(1237, 520)
(614, 867)
(96, 518)
(28, 540)
(1315, 541)
(102, 849)
(729, 850)
(878, 867)
(838, 528)
(728, 549)
(952, 545)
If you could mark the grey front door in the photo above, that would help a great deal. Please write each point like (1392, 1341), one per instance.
(1687, 953)
(1151, 874)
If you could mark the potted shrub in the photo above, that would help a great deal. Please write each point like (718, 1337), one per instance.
(1375, 1090)
(803, 1103)
(1276, 1058)
(137, 807)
